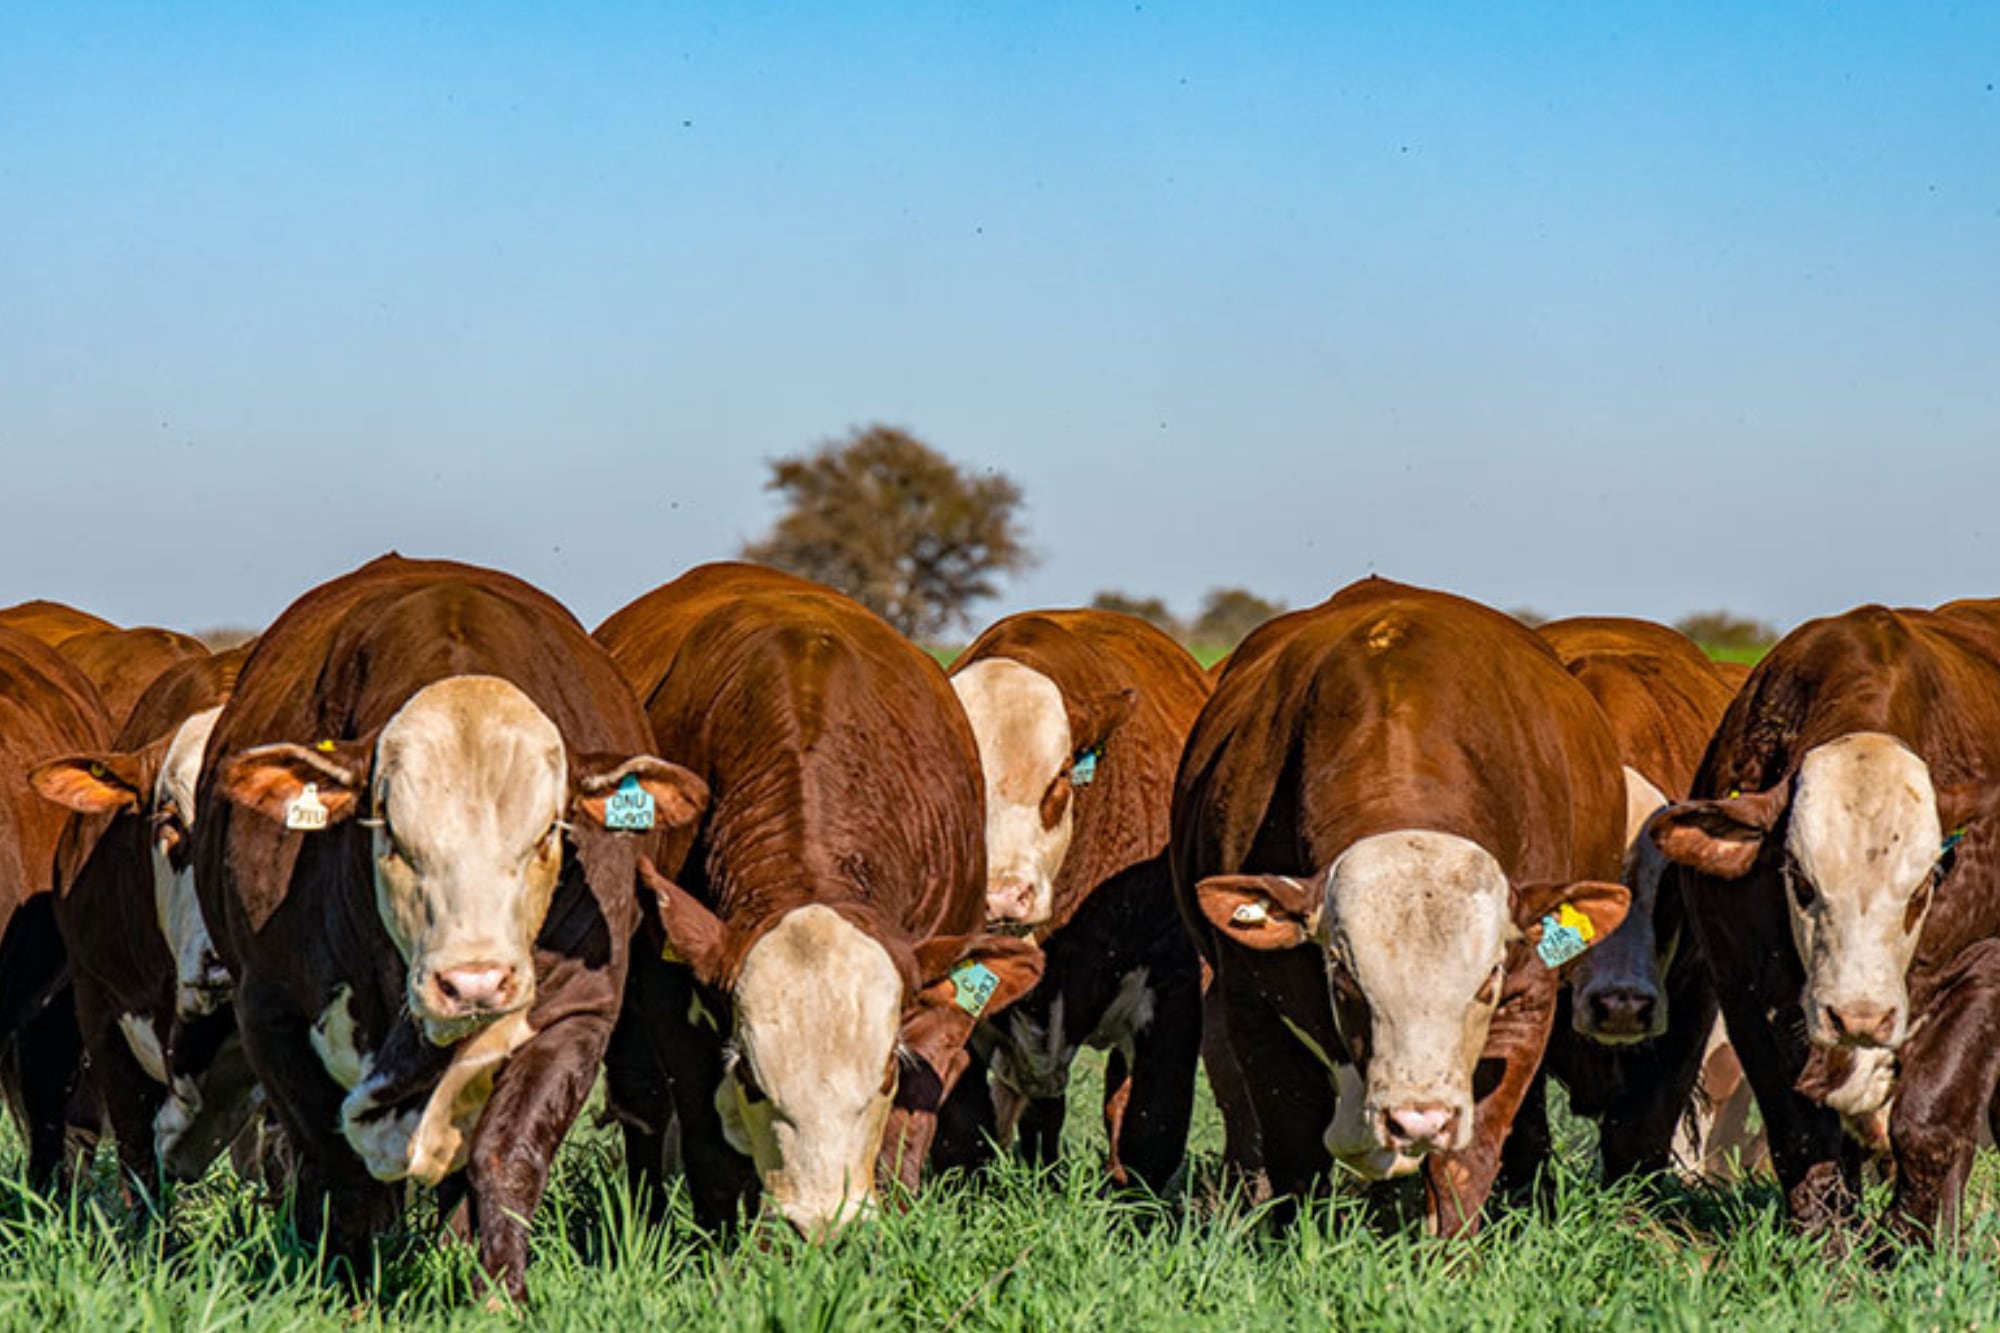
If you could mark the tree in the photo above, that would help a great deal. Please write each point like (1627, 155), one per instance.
(896, 525)
(1725, 629)
(1152, 610)
(1229, 614)
(1528, 616)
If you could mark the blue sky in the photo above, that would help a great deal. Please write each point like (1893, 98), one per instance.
(1592, 307)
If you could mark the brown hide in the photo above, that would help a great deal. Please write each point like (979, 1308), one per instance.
(51, 622)
(1384, 708)
(1658, 690)
(1121, 817)
(123, 662)
(47, 708)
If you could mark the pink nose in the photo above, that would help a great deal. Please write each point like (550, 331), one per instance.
(1010, 901)
(481, 988)
(1862, 1024)
(1422, 1127)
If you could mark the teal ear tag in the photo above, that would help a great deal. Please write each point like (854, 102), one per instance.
(1560, 943)
(973, 985)
(1083, 769)
(630, 807)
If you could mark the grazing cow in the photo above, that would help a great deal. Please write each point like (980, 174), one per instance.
(150, 991)
(1080, 717)
(816, 962)
(1394, 821)
(47, 708)
(401, 850)
(121, 663)
(1846, 891)
(51, 622)
(1633, 1027)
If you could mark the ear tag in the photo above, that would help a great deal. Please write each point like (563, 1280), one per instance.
(972, 985)
(1083, 769)
(323, 746)
(304, 813)
(1565, 935)
(1951, 841)
(630, 807)
(1250, 914)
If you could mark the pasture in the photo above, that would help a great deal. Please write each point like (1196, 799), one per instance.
(1014, 1251)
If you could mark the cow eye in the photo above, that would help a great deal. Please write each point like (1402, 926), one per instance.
(1489, 994)
(1800, 884)
(889, 1078)
(1055, 801)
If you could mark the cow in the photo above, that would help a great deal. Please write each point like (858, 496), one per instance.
(1079, 717)
(47, 707)
(1633, 1028)
(121, 663)
(402, 851)
(1843, 853)
(150, 991)
(816, 958)
(1396, 819)
(51, 622)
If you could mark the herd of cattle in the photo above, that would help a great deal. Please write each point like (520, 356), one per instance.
(402, 878)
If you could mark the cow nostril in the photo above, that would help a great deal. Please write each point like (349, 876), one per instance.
(1409, 1125)
(1862, 1024)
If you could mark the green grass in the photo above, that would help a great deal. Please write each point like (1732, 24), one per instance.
(1014, 1252)
(1749, 654)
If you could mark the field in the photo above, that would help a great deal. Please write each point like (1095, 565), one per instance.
(1012, 1252)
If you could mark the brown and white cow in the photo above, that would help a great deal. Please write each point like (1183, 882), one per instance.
(1080, 717)
(817, 959)
(150, 990)
(1846, 891)
(401, 848)
(47, 707)
(1633, 1035)
(1396, 818)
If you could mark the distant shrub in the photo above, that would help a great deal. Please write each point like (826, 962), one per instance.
(221, 638)
(1229, 614)
(1152, 610)
(1528, 616)
(1725, 629)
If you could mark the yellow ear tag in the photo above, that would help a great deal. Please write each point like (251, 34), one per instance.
(1577, 921)
(324, 747)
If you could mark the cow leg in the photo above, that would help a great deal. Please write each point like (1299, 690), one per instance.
(50, 1052)
(1456, 1184)
(641, 1097)
(1117, 1099)
(535, 1099)
(1289, 1090)
(968, 1129)
(1242, 1147)
(1950, 1068)
(132, 1096)
(1149, 1136)
(1525, 1156)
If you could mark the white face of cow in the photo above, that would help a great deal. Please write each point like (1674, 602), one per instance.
(818, 1011)
(201, 983)
(1022, 728)
(1862, 844)
(470, 781)
(1416, 928)
(1618, 991)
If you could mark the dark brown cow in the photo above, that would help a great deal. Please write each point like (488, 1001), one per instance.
(1394, 819)
(1080, 717)
(824, 929)
(51, 622)
(121, 663)
(1635, 1021)
(150, 992)
(401, 850)
(47, 708)
(1846, 891)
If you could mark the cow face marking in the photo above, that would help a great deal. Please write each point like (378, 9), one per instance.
(1618, 990)
(201, 984)
(1860, 850)
(1416, 927)
(1025, 751)
(471, 779)
(818, 1008)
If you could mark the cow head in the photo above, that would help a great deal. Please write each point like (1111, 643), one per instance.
(1863, 850)
(827, 1006)
(156, 783)
(1618, 991)
(1415, 928)
(1035, 749)
(470, 784)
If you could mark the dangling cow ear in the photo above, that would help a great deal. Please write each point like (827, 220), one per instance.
(100, 784)
(1261, 911)
(694, 935)
(637, 793)
(1562, 920)
(1093, 719)
(303, 787)
(964, 978)
(1720, 838)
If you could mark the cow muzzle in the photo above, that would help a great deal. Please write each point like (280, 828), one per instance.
(1619, 1014)
(460, 999)
(1418, 1128)
(1015, 903)
(1860, 1025)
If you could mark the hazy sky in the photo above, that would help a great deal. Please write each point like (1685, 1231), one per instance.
(1593, 307)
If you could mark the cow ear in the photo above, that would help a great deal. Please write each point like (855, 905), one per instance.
(303, 787)
(1721, 837)
(1260, 911)
(694, 935)
(964, 978)
(640, 792)
(100, 784)
(1563, 919)
(1092, 720)
(1967, 804)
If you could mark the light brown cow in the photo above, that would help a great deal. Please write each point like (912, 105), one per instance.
(121, 663)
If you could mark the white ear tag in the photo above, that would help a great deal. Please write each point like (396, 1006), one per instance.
(304, 813)
(1250, 914)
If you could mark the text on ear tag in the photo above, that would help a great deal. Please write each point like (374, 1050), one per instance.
(1565, 935)
(630, 807)
(972, 985)
(304, 813)
(1250, 914)
(1083, 769)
